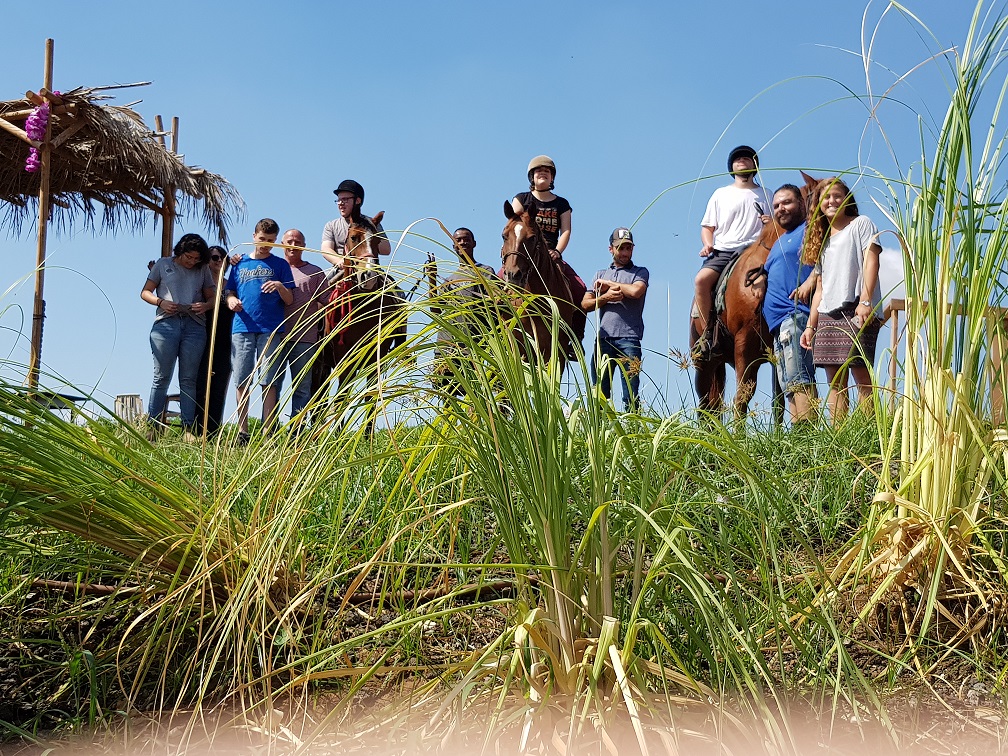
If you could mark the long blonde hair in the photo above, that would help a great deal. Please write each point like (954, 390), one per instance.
(817, 226)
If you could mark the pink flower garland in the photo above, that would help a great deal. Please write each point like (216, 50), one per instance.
(35, 127)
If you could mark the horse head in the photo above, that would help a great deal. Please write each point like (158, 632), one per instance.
(523, 249)
(362, 242)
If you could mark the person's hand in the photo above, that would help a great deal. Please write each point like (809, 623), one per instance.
(765, 218)
(862, 315)
(706, 250)
(170, 307)
(801, 294)
(236, 258)
(200, 307)
(234, 304)
(614, 294)
(271, 287)
(807, 337)
(554, 255)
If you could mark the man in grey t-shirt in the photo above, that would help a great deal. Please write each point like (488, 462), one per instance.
(618, 293)
(349, 198)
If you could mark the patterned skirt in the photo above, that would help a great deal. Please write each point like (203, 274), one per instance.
(839, 342)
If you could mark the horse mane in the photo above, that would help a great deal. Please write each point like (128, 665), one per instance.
(359, 219)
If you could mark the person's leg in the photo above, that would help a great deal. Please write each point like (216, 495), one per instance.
(606, 355)
(629, 351)
(837, 401)
(164, 341)
(271, 351)
(243, 364)
(865, 387)
(190, 353)
(272, 384)
(703, 298)
(301, 357)
(203, 377)
(795, 367)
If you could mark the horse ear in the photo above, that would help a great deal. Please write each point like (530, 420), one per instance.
(509, 212)
(377, 219)
(809, 181)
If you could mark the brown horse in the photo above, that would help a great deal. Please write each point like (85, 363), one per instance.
(366, 317)
(526, 265)
(742, 337)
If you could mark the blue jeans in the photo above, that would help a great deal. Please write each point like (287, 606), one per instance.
(251, 349)
(299, 356)
(624, 355)
(794, 365)
(176, 339)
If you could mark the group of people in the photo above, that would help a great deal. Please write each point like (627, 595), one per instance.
(822, 296)
(268, 314)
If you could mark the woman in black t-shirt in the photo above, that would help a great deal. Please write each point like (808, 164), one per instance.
(552, 213)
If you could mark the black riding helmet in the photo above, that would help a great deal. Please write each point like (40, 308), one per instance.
(349, 185)
(743, 150)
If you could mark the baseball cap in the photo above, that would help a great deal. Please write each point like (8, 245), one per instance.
(619, 236)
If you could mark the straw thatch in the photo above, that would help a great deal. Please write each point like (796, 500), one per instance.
(109, 170)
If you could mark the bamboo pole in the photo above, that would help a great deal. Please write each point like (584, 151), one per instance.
(38, 312)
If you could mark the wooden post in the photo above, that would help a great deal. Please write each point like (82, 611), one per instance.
(895, 305)
(168, 211)
(997, 327)
(38, 311)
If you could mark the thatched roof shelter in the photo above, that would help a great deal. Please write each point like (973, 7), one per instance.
(108, 170)
(88, 158)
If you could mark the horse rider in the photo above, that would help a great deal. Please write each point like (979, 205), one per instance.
(349, 198)
(552, 214)
(733, 220)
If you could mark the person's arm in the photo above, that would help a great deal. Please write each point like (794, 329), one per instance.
(517, 206)
(869, 280)
(804, 292)
(808, 335)
(209, 292)
(330, 254)
(706, 240)
(634, 290)
(149, 296)
(279, 287)
(591, 301)
(565, 232)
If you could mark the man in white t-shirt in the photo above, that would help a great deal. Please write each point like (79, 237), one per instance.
(733, 220)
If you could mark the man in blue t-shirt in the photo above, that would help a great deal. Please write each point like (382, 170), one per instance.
(618, 293)
(786, 305)
(259, 286)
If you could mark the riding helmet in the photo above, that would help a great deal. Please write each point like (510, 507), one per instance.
(349, 185)
(541, 161)
(743, 150)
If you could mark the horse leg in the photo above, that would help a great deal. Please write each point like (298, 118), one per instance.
(746, 369)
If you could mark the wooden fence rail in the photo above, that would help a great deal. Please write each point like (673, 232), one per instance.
(997, 356)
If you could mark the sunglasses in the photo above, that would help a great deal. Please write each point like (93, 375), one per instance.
(216, 258)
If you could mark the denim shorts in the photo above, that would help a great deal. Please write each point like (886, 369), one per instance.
(794, 364)
(250, 349)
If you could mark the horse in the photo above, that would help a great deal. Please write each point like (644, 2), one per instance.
(366, 316)
(527, 265)
(742, 337)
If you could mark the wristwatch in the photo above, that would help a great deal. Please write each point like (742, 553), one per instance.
(863, 303)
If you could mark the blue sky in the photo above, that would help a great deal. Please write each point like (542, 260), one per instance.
(436, 109)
